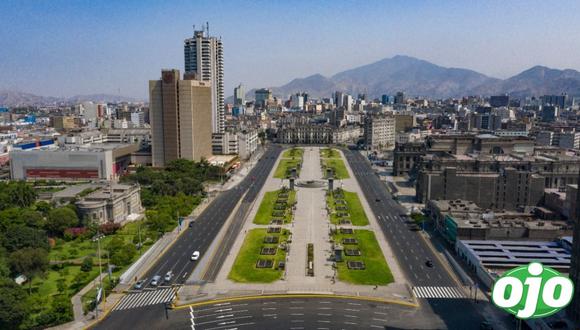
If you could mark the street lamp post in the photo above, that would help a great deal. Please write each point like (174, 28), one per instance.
(98, 238)
(139, 234)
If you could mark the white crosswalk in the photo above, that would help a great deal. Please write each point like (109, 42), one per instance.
(448, 292)
(145, 298)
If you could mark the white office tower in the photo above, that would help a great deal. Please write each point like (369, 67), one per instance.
(204, 57)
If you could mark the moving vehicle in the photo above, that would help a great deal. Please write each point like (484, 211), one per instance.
(195, 256)
(168, 276)
(155, 280)
(139, 284)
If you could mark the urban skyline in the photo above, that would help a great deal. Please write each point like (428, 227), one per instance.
(386, 195)
(118, 63)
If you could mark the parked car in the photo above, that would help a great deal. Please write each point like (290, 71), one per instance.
(155, 280)
(168, 276)
(195, 256)
(429, 263)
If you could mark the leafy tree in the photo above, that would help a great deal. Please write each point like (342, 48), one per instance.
(124, 255)
(60, 311)
(13, 306)
(23, 195)
(19, 236)
(10, 216)
(43, 207)
(79, 281)
(157, 221)
(29, 262)
(33, 218)
(16, 194)
(4, 268)
(87, 265)
(60, 219)
(61, 284)
(121, 253)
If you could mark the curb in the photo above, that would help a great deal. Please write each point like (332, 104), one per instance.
(295, 295)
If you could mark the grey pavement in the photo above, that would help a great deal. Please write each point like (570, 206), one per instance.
(310, 226)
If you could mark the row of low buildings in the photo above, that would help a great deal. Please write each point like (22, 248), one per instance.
(494, 172)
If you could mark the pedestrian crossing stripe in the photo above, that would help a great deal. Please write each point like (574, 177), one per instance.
(442, 292)
(145, 298)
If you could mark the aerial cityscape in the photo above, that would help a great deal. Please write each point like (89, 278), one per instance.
(289, 165)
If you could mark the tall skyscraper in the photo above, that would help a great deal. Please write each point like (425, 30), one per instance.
(338, 99)
(239, 95)
(204, 57)
(180, 114)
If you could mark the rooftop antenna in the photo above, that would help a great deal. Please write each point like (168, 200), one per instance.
(193, 28)
(207, 28)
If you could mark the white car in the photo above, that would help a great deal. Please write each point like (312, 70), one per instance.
(168, 276)
(155, 280)
(195, 255)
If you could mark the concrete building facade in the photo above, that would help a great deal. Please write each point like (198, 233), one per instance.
(115, 203)
(94, 162)
(180, 114)
(379, 132)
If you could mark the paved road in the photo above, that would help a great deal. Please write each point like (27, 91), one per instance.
(307, 313)
(251, 186)
(434, 284)
(199, 236)
(282, 313)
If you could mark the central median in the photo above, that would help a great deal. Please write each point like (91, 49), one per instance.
(260, 256)
(331, 161)
(291, 159)
(361, 261)
(344, 207)
(276, 207)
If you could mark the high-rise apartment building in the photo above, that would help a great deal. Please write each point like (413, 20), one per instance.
(204, 58)
(180, 115)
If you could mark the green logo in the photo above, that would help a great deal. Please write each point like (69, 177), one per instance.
(532, 291)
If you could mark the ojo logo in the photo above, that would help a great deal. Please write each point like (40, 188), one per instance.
(532, 291)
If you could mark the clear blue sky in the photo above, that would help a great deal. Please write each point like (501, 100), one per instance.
(69, 47)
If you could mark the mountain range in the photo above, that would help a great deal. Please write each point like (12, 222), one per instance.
(10, 98)
(416, 77)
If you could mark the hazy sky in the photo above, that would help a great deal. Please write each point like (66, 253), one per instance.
(69, 47)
